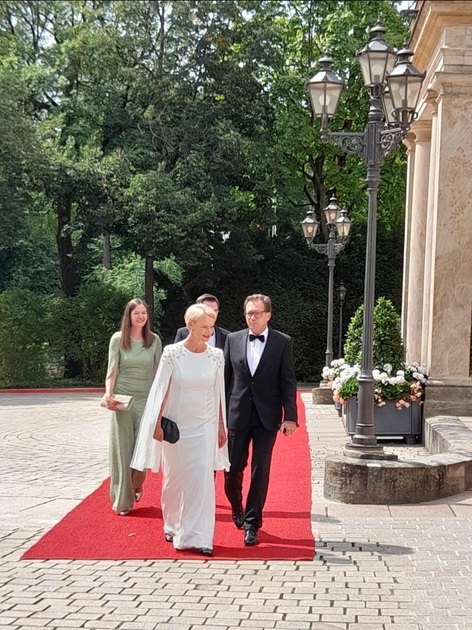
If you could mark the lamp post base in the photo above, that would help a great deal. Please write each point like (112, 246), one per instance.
(363, 451)
(323, 394)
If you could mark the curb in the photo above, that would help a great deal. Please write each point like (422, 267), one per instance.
(61, 390)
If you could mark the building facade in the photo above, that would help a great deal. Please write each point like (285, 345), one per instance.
(437, 288)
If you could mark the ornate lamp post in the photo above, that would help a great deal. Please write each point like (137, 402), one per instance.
(381, 67)
(341, 292)
(339, 226)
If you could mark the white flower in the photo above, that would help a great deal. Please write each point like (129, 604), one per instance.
(344, 377)
(419, 377)
(414, 367)
(410, 380)
(328, 373)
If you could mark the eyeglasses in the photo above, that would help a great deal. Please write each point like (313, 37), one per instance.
(255, 314)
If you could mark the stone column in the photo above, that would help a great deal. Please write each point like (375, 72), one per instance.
(431, 208)
(448, 337)
(409, 142)
(416, 241)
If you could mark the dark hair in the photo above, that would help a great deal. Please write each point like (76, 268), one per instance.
(207, 296)
(263, 298)
(148, 336)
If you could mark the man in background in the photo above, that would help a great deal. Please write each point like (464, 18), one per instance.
(218, 339)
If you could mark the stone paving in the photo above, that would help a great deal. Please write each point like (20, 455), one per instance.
(376, 567)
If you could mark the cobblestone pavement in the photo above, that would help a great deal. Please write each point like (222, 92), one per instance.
(376, 567)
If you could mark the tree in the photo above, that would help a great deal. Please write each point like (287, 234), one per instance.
(180, 132)
(19, 158)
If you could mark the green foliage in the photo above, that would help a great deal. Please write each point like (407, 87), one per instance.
(387, 342)
(393, 379)
(19, 155)
(353, 343)
(38, 332)
(404, 385)
(348, 389)
(181, 131)
(35, 265)
(126, 278)
(24, 349)
(86, 323)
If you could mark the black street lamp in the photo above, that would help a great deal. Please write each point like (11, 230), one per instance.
(381, 68)
(341, 292)
(339, 226)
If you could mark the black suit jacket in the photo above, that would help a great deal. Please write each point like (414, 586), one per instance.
(272, 388)
(220, 336)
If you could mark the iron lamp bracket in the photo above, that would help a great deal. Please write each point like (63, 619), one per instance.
(356, 143)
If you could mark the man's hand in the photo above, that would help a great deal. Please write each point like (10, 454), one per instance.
(287, 427)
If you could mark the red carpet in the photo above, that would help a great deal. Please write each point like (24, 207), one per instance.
(91, 531)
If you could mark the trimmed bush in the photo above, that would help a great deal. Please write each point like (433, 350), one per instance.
(24, 348)
(387, 340)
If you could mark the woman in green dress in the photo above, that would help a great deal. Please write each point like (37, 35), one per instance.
(133, 358)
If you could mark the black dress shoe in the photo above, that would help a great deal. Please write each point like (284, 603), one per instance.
(205, 551)
(251, 538)
(238, 519)
(168, 537)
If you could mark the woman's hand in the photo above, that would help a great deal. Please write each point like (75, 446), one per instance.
(110, 402)
(158, 433)
(222, 437)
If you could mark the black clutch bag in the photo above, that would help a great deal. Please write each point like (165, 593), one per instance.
(171, 430)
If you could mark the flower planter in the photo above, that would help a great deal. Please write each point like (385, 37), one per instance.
(388, 420)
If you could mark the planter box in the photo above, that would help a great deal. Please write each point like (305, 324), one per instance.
(388, 420)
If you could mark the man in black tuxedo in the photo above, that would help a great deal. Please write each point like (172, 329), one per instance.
(261, 392)
(218, 338)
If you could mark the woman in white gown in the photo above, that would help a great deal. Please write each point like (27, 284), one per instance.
(188, 389)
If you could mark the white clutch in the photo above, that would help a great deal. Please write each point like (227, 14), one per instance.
(126, 402)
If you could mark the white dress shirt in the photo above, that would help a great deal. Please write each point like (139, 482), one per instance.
(212, 341)
(254, 350)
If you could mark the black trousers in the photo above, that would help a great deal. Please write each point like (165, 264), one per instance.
(263, 442)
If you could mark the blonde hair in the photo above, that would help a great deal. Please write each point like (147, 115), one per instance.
(196, 311)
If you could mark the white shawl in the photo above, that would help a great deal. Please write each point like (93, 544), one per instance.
(148, 451)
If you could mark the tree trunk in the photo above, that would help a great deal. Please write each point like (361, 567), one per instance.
(106, 260)
(64, 245)
(149, 288)
(66, 267)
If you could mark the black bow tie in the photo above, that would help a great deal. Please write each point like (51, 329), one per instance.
(254, 337)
